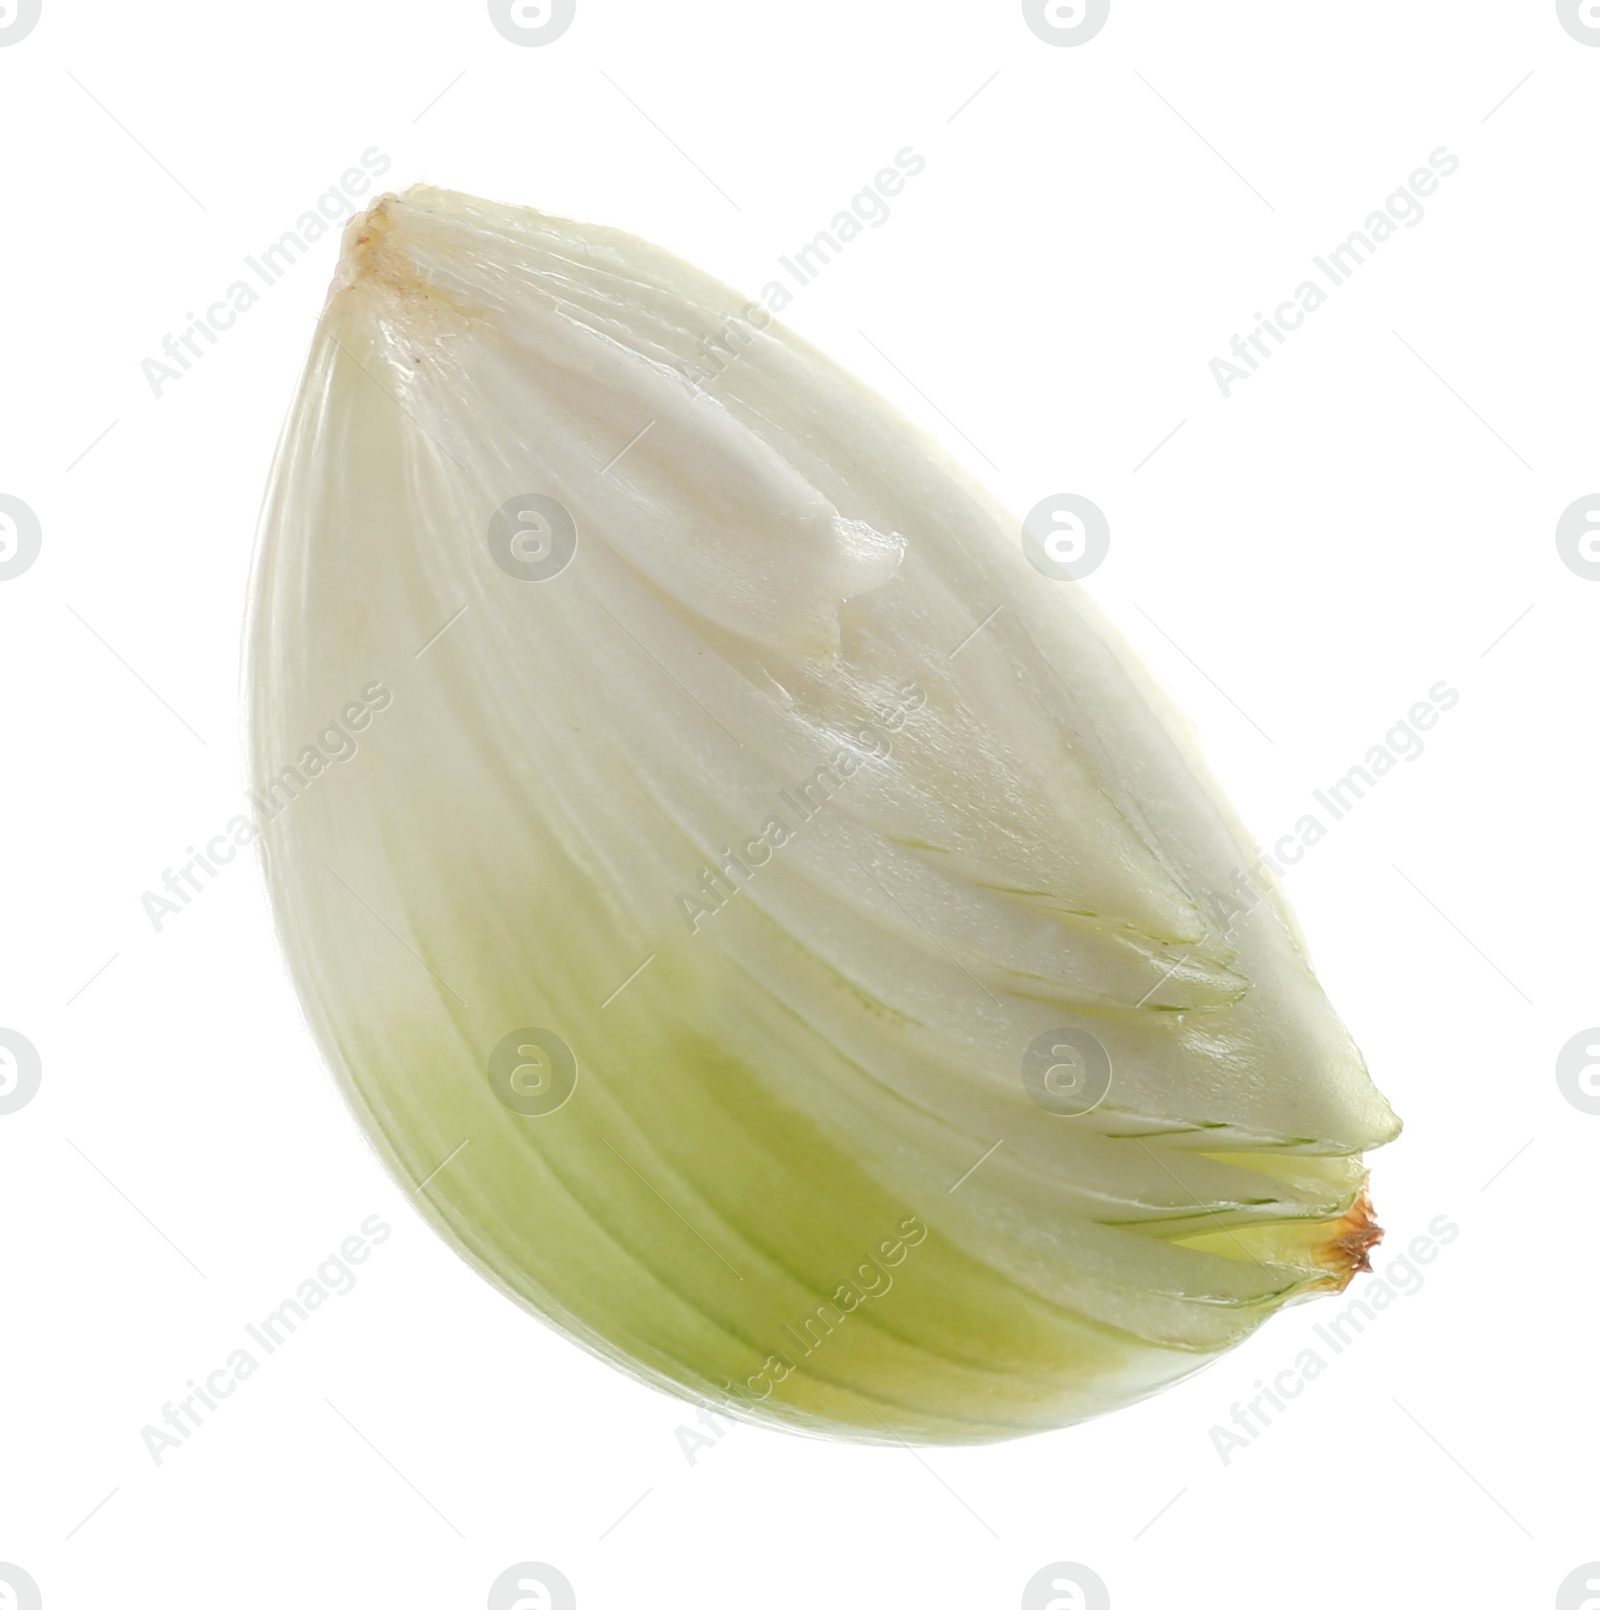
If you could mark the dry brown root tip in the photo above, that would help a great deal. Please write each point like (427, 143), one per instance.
(1357, 1233)
(363, 243)
(373, 254)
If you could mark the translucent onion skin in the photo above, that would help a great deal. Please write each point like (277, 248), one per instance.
(791, 1044)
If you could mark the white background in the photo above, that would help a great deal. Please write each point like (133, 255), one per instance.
(1371, 513)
